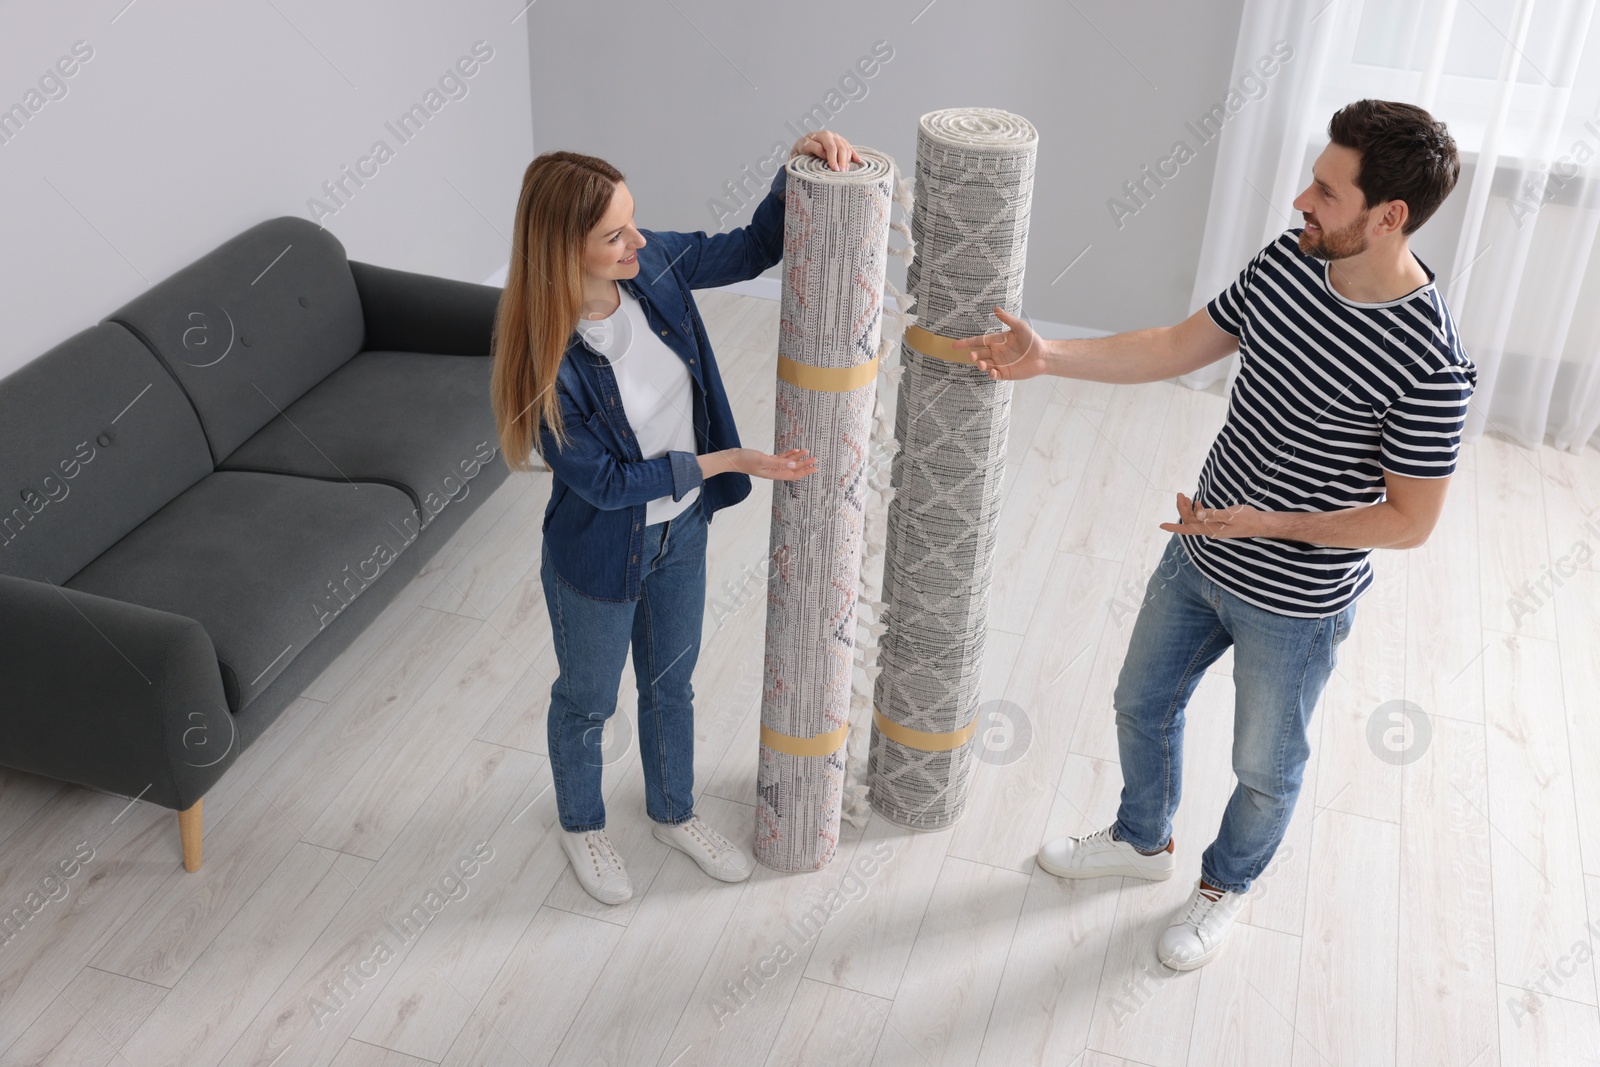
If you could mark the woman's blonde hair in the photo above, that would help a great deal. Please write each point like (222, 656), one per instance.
(564, 196)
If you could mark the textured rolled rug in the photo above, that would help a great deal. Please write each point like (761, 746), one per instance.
(836, 231)
(970, 224)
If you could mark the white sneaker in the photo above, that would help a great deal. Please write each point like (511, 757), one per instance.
(1195, 938)
(1100, 855)
(598, 866)
(716, 855)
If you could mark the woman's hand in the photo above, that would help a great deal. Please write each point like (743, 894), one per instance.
(1017, 353)
(827, 146)
(795, 463)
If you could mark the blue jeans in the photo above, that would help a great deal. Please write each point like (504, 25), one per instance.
(1280, 664)
(591, 641)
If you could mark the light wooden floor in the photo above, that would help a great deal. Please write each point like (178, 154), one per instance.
(1440, 911)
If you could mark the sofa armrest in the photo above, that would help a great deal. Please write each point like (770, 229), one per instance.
(407, 312)
(110, 695)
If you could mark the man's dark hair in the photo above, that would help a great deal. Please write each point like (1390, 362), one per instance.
(1405, 155)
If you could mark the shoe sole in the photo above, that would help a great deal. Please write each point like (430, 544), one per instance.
(1147, 874)
(1191, 965)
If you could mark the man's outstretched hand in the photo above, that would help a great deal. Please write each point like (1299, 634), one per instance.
(1007, 357)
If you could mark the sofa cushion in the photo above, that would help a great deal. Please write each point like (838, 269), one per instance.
(420, 422)
(95, 437)
(262, 561)
(250, 326)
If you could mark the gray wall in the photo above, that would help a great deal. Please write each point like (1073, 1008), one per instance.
(192, 121)
(680, 96)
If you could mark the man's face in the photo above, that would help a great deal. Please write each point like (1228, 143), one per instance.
(1335, 209)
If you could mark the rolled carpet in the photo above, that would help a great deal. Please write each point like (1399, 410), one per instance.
(970, 224)
(836, 232)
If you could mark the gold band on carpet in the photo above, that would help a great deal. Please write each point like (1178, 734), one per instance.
(924, 742)
(820, 745)
(827, 379)
(931, 344)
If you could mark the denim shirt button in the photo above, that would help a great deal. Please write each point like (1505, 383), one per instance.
(633, 559)
(663, 333)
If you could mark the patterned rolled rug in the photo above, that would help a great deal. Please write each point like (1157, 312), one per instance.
(970, 223)
(836, 231)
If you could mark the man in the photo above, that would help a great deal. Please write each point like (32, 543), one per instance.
(1342, 431)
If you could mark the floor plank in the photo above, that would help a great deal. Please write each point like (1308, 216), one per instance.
(456, 959)
(189, 910)
(1446, 1014)
(221, 992)
(1539, 900)
(744, 994)
(315, 1009)
(87, 1022)
(855, 1023)
(1345, 1012)
(1009, 802)
(944, 1002)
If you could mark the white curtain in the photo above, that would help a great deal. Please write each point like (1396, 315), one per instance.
(1515, 247)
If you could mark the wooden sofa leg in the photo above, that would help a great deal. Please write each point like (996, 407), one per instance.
(189, 830)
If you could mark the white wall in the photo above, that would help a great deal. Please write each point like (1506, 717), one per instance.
(680, 96)
(193, 121)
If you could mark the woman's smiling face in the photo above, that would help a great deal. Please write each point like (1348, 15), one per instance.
(611, 250)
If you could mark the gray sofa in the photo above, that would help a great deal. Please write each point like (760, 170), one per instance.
(207, 496)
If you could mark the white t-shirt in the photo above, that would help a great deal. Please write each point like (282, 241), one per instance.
(655, 389)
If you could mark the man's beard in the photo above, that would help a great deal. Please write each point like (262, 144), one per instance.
(1339, 244)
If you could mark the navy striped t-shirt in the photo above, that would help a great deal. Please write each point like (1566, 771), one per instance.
(1330, 393)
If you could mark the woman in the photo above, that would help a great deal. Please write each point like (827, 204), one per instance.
(635, 426)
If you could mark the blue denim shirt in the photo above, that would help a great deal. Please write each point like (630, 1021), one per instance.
(594, 522)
